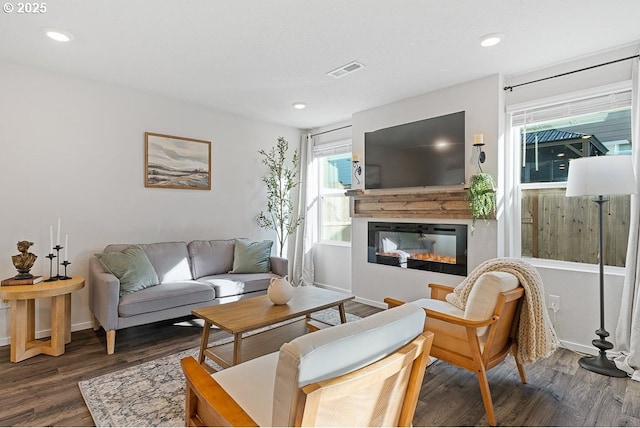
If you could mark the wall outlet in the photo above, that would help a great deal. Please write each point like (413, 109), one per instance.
(554, 302)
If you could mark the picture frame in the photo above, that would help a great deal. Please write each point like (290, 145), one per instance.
(172, 162)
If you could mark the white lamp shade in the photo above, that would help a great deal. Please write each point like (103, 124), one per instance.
(601, 175)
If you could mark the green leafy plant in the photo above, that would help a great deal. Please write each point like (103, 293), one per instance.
(280, 181)
(482, 197)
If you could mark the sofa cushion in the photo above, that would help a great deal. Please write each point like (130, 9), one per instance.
(170, 260)
(211, 257)
(312, 357)
(251, 257)
(132, 268)
(165, 296)
(234, 284)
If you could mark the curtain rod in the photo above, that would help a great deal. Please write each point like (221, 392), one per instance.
(510, 88)
(331, 130)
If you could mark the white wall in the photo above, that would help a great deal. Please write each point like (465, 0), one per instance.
(576, 284)
(482, 102)
(74, 149)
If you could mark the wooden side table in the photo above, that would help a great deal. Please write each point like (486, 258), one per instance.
(23, 326)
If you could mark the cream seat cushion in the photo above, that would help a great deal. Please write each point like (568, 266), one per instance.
(251, 385)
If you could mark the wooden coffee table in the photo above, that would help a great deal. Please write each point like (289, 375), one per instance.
(257, 312)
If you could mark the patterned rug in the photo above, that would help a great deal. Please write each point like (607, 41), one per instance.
(152, 393)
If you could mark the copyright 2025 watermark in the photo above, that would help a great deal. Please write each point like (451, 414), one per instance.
(25, 8)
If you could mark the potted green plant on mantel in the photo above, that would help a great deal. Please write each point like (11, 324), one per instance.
(280, 181)
(482, 197)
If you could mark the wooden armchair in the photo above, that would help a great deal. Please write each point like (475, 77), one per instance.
(363, 373)
(481, 336)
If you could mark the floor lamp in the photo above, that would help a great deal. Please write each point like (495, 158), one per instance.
(599, 176)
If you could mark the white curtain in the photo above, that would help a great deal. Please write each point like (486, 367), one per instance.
(301, 270)
(627, 332)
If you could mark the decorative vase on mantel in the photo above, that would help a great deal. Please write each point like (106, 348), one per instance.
(280, 290)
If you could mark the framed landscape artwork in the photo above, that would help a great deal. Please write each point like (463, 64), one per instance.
(177, 162)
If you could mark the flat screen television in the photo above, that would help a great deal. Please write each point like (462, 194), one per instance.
(429, 152)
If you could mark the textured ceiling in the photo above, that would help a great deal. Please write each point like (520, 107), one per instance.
(256, 58)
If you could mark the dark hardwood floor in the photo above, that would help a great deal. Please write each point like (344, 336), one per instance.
(43, 390)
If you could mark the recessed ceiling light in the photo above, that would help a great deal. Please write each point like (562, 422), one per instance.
(299, 106)
(57, 35)
(491, 39)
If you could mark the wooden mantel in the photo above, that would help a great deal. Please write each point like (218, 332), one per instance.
(452, 204)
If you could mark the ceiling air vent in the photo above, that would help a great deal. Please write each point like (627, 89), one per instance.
(345, 69)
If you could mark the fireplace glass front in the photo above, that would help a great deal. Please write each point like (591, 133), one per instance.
(434, 247)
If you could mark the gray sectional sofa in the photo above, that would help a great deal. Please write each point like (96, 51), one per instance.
(189, 276)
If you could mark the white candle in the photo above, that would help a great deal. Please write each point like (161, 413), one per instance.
(50, 239)
(66, 247)
(478, 139)
(58, 236)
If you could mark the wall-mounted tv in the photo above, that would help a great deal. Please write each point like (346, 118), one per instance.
(429, 152)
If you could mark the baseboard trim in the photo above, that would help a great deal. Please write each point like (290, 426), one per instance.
(47, 333)
(380, 305)
(331, 287)
(582, 349)
(357, 299)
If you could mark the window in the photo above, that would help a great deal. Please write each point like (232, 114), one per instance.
(334, 180)
(553, 226)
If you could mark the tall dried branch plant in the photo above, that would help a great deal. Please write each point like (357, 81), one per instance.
(280, 180)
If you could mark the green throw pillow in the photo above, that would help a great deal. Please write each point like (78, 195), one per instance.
(132, 267)
(251, 257)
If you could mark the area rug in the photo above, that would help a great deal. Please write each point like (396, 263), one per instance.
(153, 393)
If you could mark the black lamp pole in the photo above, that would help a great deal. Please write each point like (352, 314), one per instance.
(601, 364)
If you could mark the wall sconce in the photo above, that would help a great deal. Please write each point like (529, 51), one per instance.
(478, 141)
(357, 169)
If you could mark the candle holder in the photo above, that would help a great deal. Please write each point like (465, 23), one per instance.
(58, 248)
(357, 170)
(51, 278)
(65, 264)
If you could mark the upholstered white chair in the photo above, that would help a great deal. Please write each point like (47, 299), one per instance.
(363, 373)
(479, 337)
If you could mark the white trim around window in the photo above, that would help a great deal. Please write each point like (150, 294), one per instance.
(512, 190)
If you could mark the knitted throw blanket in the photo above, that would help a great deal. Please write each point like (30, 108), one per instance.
(536, 337)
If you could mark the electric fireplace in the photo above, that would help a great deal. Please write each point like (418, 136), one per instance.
(433, 247)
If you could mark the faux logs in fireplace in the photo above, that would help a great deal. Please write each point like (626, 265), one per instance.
(433, 247)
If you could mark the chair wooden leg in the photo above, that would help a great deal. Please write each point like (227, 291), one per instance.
(111, 342)
(514, 351)
(486, 396)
